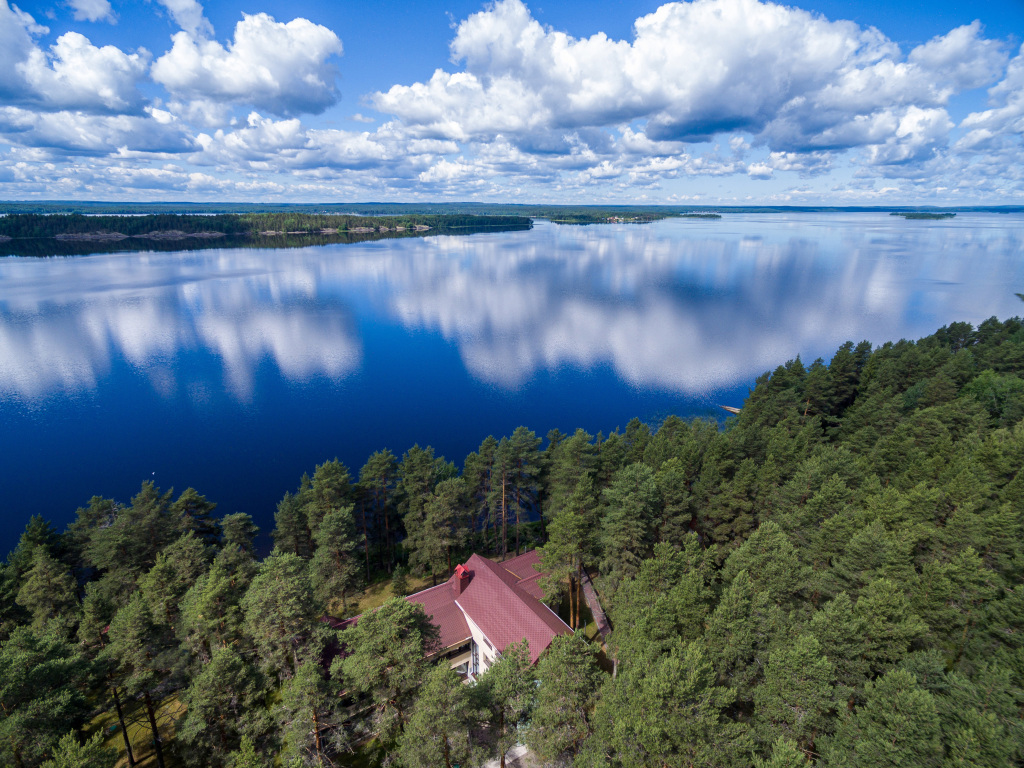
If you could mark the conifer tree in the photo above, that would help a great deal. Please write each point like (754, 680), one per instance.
(571, 543)
(146, 655)
(176, 569)
(771, 563)
(568, 460)
(568, 682)
(840, 635)
(211, 610)
(195, 514)
(375, 507)
(438, 733)
(419, 473)
(139, 532)
(386, 660)
(796, 696)
(889, 625)
(334, 570)
(896, 726)
(41, 696)
(668, 601)
(308, 717)
(331, 488)
(742, 631)
(784, 754)
(689, 727)
(281, 614)
(222, 699)
(72, 753)
(477, 471)
(48, 591)
(239, 531)
(507, 694)
(631, 504)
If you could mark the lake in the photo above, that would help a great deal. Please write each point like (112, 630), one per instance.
(235, 370)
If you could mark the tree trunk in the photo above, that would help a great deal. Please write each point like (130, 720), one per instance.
(504, 521)
(387, 536)
(124, 728)
(519, 509)
(366, 545)
(501, 734)
(157, 744)
(316, 737)
(572, 614)
(579, 591)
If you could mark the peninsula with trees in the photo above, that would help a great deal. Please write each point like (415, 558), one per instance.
(831, 578)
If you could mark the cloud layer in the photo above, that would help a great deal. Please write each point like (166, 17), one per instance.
(785, 104)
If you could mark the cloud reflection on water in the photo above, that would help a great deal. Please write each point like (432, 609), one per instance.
(682, 306)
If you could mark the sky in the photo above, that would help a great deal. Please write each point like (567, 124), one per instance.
(709, 102)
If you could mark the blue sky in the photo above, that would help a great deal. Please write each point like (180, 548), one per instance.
(709, 102)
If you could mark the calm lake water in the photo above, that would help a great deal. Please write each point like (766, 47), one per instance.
(234, 370)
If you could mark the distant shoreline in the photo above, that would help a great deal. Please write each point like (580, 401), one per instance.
(531, 210)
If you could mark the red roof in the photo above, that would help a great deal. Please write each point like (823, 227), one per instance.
(505, 611)
(503, 600)
(439, 605)
(529, 576)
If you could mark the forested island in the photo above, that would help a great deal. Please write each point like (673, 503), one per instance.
(53, 234)
(833, 578)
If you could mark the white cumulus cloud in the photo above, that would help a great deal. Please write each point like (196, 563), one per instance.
(72, 74)
(282, 68)
(794, 80)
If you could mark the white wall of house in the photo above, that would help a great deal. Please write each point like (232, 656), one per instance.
(488, 653)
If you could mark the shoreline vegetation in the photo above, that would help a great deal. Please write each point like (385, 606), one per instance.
(924, 214)
(74, 228)
(53, 234)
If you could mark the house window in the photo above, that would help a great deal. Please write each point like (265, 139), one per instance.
(474, 660)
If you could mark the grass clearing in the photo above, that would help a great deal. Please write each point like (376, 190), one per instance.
(168, 712)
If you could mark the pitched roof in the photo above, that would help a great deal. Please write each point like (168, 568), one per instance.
(529, 576)
(505, 611)
(439, 605)
(502, 599)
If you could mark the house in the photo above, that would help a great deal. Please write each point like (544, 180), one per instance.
(485, 607)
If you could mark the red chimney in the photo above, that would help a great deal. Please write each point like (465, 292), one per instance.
(461, 579)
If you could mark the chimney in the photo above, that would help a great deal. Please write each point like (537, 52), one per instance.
(461, 579)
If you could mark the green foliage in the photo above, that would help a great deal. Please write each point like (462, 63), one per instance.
(335, 568)
(631, 507)
(72, 753)
(568, 681)
(280, 613)
(47, 591)
(506, 694)
(385, 662)
(796, 696)
(308, 718)
(897, 725)
(41, 695)
(833, 578)
(439, 727)
(670, 713)
(222, 703)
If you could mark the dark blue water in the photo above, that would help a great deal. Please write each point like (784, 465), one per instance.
(234, 371)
